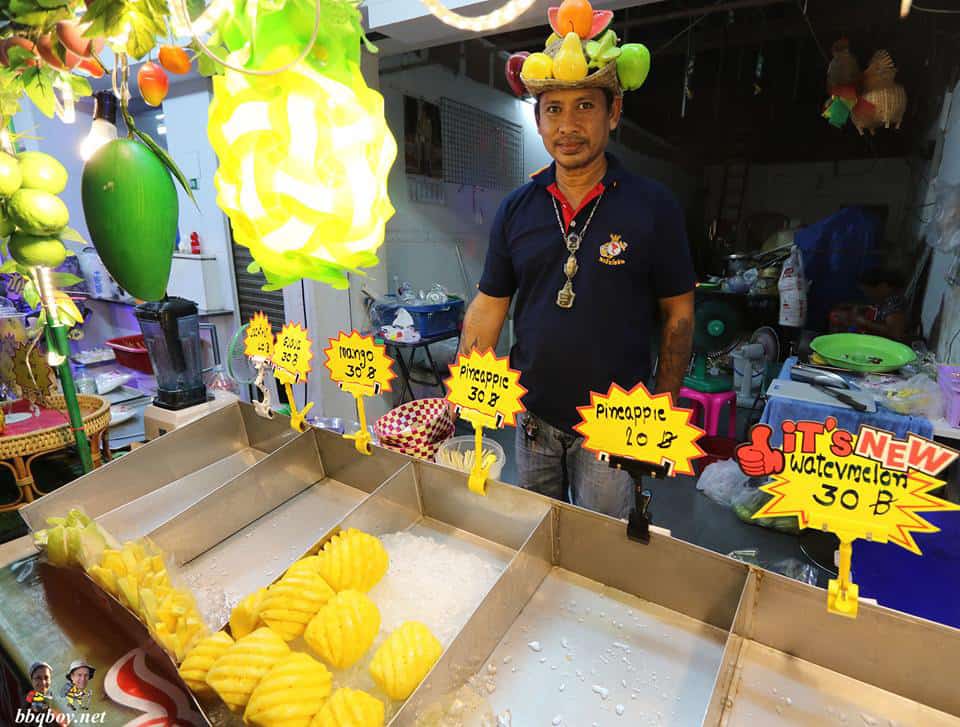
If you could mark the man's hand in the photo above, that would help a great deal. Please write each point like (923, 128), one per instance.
(758, 458)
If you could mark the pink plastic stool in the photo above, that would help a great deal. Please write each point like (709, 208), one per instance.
(710, 405)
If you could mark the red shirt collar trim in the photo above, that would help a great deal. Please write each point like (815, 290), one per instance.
(566, 209)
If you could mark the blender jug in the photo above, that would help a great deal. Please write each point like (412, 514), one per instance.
(171, 332)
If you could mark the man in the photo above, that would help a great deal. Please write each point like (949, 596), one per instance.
(587, 251)
(77, 691)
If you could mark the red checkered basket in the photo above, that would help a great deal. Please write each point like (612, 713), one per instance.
(416, 428)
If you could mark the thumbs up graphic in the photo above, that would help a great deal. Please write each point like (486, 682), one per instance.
(757, 458)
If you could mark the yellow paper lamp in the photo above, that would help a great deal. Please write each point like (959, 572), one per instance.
(304, 161)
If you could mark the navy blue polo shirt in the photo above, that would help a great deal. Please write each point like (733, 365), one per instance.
(635, 252)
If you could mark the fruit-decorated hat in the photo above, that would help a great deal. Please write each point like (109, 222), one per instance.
(582, 52)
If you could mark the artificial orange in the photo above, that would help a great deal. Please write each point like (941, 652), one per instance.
(575, 16)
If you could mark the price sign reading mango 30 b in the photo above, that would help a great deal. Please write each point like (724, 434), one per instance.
(486, 388)
(292, 354)
(640, 426)
(258, 342)
(358, 361)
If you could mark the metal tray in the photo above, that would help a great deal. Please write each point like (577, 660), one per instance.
(675, 634)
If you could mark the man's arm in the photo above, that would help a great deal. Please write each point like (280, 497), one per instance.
(483, 323)
(676, 342)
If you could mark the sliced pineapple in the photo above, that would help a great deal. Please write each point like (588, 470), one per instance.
(353, 560)
(344, 629)
(236, 674)
(404, 659)
(350, 708)
(197, 664)
(291, 602)
(245, 616)
(290, 693)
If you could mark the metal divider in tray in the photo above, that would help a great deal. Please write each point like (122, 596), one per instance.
(137, 492)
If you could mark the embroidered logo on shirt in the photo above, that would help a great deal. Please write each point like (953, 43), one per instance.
(610, 251)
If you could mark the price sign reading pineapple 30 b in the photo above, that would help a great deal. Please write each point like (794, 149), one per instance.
(259, 338)
(487, 387)
(637, 425)
(355, 360)
(292, 354)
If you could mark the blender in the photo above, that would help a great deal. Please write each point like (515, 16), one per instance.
(171, 333)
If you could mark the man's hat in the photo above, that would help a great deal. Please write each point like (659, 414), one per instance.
(605, 77)
(76, 664)
(38, 665)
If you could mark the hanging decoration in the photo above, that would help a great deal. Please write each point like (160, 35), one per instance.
(871, 99)
(305, 152)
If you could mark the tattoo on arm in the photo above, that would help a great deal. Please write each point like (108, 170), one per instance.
(675, 349)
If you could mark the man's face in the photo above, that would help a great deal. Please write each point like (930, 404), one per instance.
(80, 676)
(575, 125)
(41, 679)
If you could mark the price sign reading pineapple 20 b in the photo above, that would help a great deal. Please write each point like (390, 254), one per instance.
(358, 361)
(637, 425)
(865, 485)
(292, 354)
(486, 389)
(259, 338)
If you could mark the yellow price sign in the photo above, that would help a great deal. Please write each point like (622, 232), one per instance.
(258, 342)
(486, 389)
(292, 354)
(865, 485)
(641, 426)
(358, 361)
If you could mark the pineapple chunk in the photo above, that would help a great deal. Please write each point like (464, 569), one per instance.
(129, 592)
(236, 674)
(350, 708)
(290, 693)
(200, 658)
(246, 615)
(404, 659)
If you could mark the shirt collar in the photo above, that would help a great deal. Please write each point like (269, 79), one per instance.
(548, 175)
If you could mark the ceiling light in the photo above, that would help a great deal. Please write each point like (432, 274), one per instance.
(491, 21)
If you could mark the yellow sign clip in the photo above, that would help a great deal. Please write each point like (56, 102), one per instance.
(487, 393)
(291, 359)
(361, 367)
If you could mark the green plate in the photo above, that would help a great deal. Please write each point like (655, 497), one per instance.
(859, 352)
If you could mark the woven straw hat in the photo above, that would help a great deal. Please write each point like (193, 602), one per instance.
(605, 77)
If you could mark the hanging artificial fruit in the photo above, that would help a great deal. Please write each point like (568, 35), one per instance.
(153, 83)
(131, 208)
(33, 216)
(174, 59)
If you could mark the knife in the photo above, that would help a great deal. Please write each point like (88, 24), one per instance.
(840, 396)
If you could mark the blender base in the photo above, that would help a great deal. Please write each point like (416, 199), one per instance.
(157, 421)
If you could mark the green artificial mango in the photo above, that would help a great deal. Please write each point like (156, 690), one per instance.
(131, 209)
